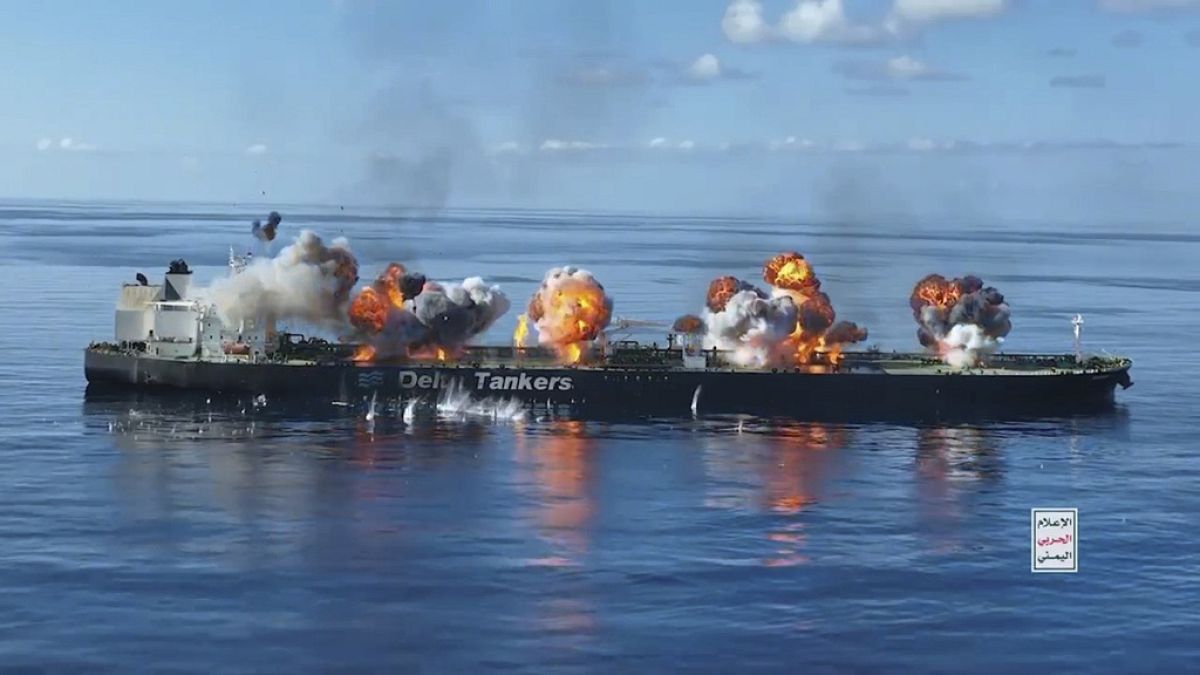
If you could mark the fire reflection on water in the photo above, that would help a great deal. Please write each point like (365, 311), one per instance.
(951, 462)
(557, 463)
(780, 470)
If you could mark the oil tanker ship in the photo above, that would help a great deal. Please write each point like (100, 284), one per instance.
(165, 339)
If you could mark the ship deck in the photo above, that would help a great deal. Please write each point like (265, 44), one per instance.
(652, 358)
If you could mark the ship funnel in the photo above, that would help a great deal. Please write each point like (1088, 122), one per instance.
(179, 277)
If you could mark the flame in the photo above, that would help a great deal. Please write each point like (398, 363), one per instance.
(689, 324)
(720, 291)
(368, 312)
(571, 313)
(390, 280)
(937, 291)
(792, 272)
(430, 353)
(573, 353)
(521, 331)
(363, 353)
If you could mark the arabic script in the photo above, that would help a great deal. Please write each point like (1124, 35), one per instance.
(1054, 540)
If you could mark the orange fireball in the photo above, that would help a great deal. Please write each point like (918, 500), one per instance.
(934, 290)
(368, 312)
(790, 271)
(721, 290)
(688, 324)
(569, 308)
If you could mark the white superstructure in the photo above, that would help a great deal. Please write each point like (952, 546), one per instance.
(171, 323)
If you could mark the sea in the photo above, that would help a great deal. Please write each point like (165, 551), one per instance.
(214, 534)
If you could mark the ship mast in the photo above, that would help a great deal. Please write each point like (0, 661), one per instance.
(1077, 322)
(237, 263)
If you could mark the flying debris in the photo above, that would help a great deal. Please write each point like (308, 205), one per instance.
(570, 309)
(959, 319)
(266, 232)
(403, 314)
(308, 280)
(789, 326)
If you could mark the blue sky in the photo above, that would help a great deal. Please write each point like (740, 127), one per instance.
(818, 108)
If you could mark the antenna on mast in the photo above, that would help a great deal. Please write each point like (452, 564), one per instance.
(1077, 322)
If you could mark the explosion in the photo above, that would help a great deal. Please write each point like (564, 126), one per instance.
(960, 319)
(722, 290)
(307, 281)
(569, 309)
(370, 309)
(791, 275)
(403, 314)
(688, 324)
(792, 272)
(786, 327)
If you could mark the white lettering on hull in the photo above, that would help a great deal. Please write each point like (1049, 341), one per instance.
(487, 381)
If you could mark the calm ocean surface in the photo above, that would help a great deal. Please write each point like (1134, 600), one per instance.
(173, 534)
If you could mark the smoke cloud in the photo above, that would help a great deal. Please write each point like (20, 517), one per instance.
(750, 326)
(788, 326)
(959, 319)
(308, 281)
(402, 313)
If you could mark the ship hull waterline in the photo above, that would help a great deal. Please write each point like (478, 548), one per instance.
(856, 395)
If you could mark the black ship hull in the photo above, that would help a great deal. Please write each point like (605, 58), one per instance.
(861, 393)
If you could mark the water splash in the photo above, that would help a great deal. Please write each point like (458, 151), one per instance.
(458, 403)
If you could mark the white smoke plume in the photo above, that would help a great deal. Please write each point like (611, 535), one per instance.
(750, 326)
(966, 345)
(308, 281)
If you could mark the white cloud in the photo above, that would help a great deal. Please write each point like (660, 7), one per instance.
(906, 68)
(824, 21)
(661, 148)
(790, 143)
(65, 144)
(926, 11)
(898, 68)
(922, 144)
(505, 147)
(256, 149)
(743, 22)
(556, 145)
(1146, 5)
(705, 68)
